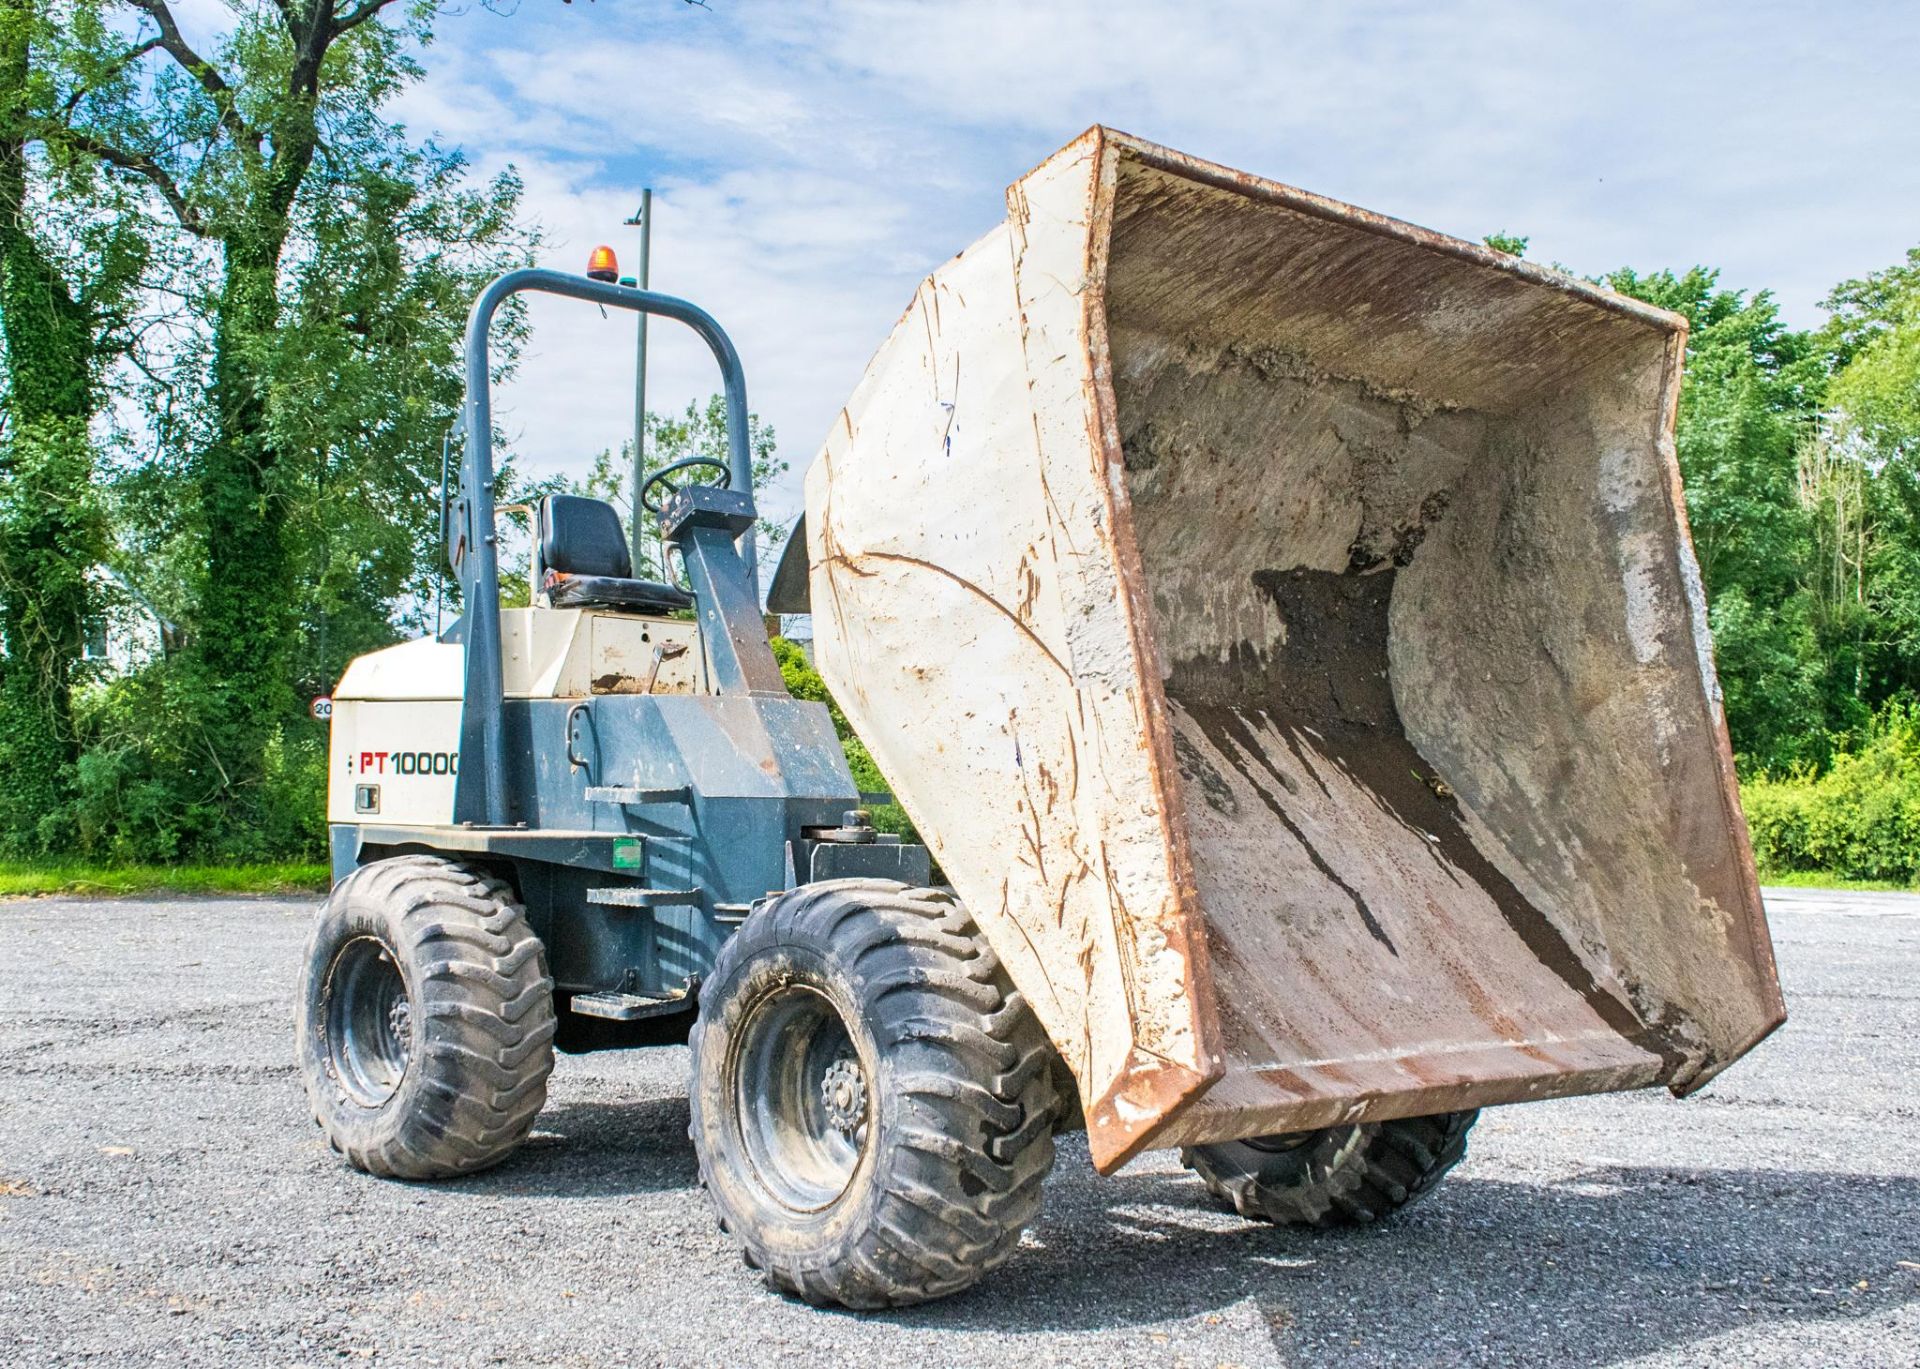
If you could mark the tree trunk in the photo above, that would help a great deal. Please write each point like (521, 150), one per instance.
(243, 627)
(50, 526)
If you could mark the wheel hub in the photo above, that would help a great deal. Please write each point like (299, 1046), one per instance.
(400, 1023)
(843, 1094)
(801, 1096)
(368, 1021)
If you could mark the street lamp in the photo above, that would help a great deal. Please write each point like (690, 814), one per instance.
(643, 220)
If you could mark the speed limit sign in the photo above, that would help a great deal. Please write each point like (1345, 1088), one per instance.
(322, 708)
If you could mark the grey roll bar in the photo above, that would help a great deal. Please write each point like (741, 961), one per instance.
(482, 789)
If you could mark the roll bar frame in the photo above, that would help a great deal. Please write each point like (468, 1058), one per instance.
(482, 786)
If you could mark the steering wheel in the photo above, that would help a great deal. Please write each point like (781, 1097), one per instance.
(659, 478)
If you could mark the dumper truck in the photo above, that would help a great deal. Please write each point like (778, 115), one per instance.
(1278, 622)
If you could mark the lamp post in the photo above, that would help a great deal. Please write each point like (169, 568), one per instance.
(643, 220)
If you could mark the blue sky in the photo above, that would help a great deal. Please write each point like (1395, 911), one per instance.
(812, 161)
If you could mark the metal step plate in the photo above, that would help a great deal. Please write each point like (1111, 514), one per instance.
(627, 896)
(625, 1007)
(623, 796)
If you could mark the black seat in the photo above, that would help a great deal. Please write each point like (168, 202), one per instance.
(585, 563)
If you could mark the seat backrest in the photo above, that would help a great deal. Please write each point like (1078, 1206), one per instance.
(581, 536)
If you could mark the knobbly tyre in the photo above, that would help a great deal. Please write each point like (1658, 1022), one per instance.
(1283, 629)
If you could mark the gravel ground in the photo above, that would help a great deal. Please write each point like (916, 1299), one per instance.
(164, 1198)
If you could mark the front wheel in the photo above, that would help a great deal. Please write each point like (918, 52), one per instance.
(425, 1019)
(1337, 1176)
(872, 1101)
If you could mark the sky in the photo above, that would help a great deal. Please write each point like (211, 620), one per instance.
(811, 161)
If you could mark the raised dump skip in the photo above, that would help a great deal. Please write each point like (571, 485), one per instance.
(1281, 623)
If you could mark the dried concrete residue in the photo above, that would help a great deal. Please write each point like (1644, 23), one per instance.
(1243, 458)
(1277, 509)
(1328, 690)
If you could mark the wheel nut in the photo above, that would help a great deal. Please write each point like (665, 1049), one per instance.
(843, 1095)
(400, 1023)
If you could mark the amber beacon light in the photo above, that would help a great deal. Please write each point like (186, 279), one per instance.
(602, 265)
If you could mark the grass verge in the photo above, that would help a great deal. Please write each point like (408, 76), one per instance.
(1826, 879)
(24, 880)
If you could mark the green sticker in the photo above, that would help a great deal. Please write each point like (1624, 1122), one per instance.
(628, 854)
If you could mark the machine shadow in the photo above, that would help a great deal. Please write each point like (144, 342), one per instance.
(596, 1150)
(1613, 1263)
(1616, 1263)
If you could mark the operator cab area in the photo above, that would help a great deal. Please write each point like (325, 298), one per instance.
(582, 560)
(591, 626)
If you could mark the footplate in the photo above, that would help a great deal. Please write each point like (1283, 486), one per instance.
(627, 1007)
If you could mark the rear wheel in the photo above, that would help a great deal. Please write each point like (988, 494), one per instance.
(872, 1102)
(1336, 1176)
(425, 1019)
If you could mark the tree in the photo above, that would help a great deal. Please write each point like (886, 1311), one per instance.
(1874, 339)
(333, 262)
(1873, 426)
(1749, 403)
(228, 145)
(367, 382)
(66, 273)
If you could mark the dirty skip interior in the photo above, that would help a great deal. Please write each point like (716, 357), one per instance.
(1409, 542)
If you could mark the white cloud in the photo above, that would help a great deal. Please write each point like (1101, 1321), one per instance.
(811, 162)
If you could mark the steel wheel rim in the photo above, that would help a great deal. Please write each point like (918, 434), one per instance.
(369, 1021)
(802, 1097)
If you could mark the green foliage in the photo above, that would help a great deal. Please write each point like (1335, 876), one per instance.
(51, 534)
(804, 682)
(366, 382)
(26, 879)
(317, 264)
(151, 786)
(65, 279)
(1875, 337)
(1860, 819)
(1506, 242)
(1772, 676)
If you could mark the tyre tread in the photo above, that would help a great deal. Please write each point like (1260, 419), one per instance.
(965, 1167)
(484, 1019)
(1388, 1166)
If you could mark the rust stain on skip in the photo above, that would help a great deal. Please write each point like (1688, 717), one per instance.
(1160, 1087)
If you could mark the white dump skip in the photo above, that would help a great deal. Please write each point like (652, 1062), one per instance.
(1281, 623)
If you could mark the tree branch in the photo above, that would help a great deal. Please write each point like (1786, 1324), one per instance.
(114, 68)
(358, 15)
(181, 51)
(198, 67)
(143, 166)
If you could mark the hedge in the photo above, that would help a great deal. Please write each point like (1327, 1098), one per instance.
(1859, 820)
